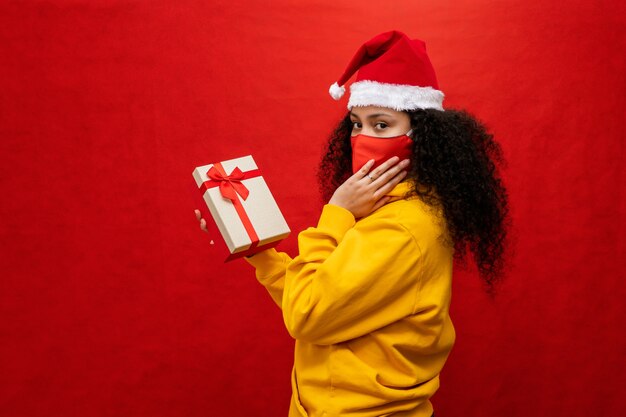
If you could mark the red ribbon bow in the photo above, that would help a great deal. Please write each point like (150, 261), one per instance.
(230, 185)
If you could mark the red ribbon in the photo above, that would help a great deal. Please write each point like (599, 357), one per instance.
(230, 185)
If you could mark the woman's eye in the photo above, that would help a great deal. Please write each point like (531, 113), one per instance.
(356, 125)
(382, 125)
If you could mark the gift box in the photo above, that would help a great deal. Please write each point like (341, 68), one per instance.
(241, 208)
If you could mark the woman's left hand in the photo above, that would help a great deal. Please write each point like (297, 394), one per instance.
(364, 192)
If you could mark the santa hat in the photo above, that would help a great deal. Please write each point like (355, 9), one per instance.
(394, 72)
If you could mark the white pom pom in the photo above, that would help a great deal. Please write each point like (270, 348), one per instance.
(336, 92)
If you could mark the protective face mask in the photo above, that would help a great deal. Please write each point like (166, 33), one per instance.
(365, 148)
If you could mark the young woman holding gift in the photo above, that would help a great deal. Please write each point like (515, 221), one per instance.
(409, 186)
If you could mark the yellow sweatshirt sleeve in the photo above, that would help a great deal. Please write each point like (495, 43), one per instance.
(270, 267)
(349, 278)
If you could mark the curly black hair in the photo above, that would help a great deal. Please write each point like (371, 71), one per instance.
(454, 166)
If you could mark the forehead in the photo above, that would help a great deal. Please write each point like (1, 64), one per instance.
(366, 111)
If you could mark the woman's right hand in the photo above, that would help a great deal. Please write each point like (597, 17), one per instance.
(201, 220)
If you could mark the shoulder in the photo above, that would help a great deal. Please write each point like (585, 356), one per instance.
(426, 224)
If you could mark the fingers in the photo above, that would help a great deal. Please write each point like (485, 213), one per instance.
(390, 184)
(202, 221)
(381, 203)
(361, 173)
(385, 166)
(390, 171)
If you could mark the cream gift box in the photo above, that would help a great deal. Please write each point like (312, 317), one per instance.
(241, 205)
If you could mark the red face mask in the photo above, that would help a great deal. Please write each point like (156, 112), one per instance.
(365, 148)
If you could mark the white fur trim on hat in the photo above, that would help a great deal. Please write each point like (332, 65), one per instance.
(395, 96)
(336, 92)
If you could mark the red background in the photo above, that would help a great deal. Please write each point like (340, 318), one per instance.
(110, 301)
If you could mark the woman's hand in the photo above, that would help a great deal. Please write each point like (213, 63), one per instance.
(364, 192)
(202, 221)
(203, 226)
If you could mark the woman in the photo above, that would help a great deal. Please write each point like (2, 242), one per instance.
(409, 186)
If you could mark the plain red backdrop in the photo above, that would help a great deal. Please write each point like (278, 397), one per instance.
(110, 301)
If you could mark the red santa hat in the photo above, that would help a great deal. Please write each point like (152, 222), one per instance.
(394, 71)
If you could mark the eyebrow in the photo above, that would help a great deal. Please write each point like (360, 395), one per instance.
(371, 116)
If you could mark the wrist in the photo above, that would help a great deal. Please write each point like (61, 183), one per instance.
(336, 202)
(336, 219)
(340, 206)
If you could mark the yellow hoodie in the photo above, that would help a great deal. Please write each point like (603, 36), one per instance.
(367, 301)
